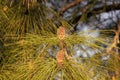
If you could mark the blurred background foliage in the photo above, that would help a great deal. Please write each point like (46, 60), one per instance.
(29, 41)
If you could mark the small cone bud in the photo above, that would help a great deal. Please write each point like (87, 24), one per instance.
(61, 33)
(5, 8)
(60, 57)
(30, 65)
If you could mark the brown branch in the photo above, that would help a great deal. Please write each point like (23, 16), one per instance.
(99, 10)
(76, 2)
(115, 41)
(108, 8)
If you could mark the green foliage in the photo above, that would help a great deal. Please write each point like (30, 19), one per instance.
(30, 44)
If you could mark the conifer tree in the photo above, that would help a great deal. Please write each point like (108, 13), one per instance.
(36, 43)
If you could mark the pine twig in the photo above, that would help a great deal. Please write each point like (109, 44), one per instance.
(68, 6)
(115, 41)
(61, 32)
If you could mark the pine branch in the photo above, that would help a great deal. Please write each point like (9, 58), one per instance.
(97, 10)
(68, 6)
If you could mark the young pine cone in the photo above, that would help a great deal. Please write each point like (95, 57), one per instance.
(60, 57)
(61, 33)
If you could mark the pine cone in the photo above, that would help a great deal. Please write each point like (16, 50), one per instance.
(60, 57)
(61, 33)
